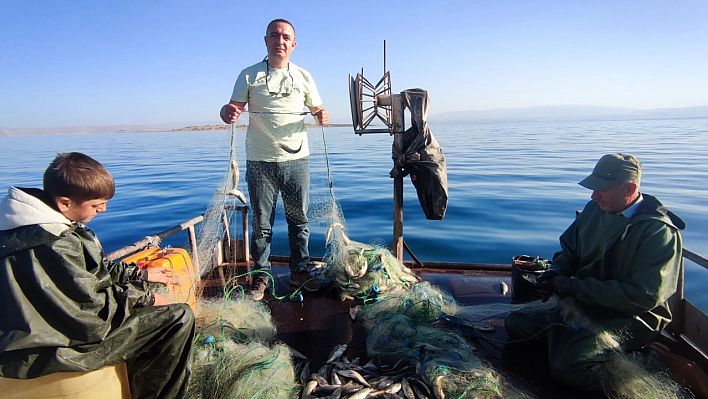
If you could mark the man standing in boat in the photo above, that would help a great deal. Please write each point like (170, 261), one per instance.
(618, 265)
(277, 152)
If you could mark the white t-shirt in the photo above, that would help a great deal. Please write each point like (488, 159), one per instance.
(288, 90)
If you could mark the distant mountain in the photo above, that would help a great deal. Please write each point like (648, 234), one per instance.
(568, 112)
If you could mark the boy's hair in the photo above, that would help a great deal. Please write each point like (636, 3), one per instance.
(78, 177)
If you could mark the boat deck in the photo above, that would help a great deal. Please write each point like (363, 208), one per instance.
(321, 321)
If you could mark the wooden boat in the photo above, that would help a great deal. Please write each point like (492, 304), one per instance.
(321, 321)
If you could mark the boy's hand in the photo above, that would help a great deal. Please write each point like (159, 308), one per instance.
(161, 275)
(160, 300)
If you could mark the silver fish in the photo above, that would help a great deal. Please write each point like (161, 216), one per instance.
(340, 364)
(305, 372)
(337, 352)
(234, 190)
(392, 388)
(345, 239)
(362, 393)
(437, 387)
(353, 375)
(290, 149)
(321, 380)
(370, 365)
(325, 370)
(420, 388)
(407, 390)
(294, 353)
(337, 394)
(380, 382)
(325, 390)
(308, 389)
(353, 312)
(335, 379)
(503, 288)
(351, 387)
(529, 277)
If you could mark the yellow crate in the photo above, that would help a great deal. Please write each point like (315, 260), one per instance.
(178, 261)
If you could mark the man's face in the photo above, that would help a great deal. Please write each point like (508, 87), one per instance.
(280, 41)
(616, 198)
(82, 212)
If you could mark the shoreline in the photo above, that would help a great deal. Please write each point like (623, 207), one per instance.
(242, 127)
(49, 131)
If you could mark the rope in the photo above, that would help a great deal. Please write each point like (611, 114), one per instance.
(329, 174)
(276, 113)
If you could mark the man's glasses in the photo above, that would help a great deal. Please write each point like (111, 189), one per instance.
(287, 91)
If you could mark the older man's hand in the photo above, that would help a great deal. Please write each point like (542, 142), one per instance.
(563, 286)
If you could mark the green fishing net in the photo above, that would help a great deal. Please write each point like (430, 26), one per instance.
(236, 354)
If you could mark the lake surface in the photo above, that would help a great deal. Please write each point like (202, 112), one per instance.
(512, 186)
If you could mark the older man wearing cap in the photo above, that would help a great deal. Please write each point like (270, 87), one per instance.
(618, 265)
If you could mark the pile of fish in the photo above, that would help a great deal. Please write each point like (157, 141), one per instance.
(341, 378)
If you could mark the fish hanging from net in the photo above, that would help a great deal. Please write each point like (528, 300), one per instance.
(223, 209)
(221, 213)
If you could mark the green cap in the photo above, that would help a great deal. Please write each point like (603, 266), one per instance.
(613, 168)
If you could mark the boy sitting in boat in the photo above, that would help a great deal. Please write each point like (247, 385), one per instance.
(618, 266)
(67, 309)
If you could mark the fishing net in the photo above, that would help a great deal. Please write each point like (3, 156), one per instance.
(363, 271)
(221, 213)
(630, 375)
(355, 269)
(239, 371)
(425, 303)
(235, 354)
(633, 377)
(239, 321)
(415, 325)
(219, 237)
(426, 324)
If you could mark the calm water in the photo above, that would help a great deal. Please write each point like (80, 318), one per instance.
(512, 186)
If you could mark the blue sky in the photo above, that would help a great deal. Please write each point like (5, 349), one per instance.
(70, 63)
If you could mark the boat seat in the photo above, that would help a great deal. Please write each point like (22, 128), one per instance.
(110, 382)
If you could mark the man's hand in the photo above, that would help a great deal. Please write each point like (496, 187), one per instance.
(563, 286)
(550, 282)
(161, 275)
(230, 112)
(321, 115)
(544, 283)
